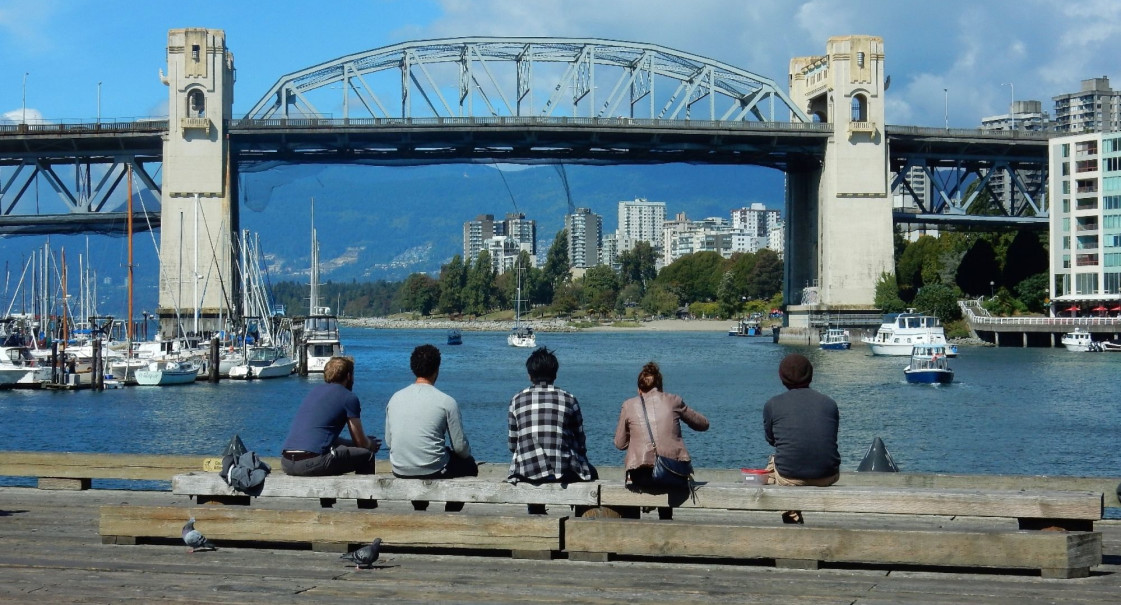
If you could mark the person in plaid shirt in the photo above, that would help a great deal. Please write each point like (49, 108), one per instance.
(546, 430)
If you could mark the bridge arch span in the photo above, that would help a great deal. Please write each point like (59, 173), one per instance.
(527, 77)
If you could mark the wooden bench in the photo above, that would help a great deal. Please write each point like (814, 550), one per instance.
(367, 490)
(1062, 554)
(74, 471)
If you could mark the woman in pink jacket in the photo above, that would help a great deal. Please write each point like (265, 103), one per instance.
(666, 412)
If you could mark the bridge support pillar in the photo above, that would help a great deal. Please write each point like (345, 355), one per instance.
(199, 205)
(839, 234)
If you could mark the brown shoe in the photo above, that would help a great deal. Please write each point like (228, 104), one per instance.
(793, 517)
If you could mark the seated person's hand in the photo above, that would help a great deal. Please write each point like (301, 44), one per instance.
(375, 443)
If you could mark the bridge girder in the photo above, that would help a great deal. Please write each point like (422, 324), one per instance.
(502, 75)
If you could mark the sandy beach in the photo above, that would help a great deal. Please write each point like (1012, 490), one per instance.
(551, 325)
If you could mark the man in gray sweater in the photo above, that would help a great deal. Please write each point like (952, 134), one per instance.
(801, 424)
(416, 420)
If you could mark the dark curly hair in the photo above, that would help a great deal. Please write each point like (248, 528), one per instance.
(425, 361)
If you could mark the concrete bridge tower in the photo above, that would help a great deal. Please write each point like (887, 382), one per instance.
(839, 217)
(199, 205)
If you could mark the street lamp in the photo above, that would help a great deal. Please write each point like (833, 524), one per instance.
(1012, 107)
(23, 120)
(99, 102)
(946, 92)
(992, 289)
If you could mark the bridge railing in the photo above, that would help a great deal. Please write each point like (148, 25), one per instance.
(107, 126)
(251, 124)
(927, 131)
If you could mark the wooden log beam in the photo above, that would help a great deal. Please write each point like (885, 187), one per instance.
(430, 530)
(1085, 506)
(1055, 554)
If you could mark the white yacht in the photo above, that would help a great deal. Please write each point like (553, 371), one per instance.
(900, 332)
(163, 373)
(264, 362)
(521, 335)
(1079, 341)
(321, 327)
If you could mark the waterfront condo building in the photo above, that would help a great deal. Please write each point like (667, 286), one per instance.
(521, 232)
(585, 234)
(1085, 223)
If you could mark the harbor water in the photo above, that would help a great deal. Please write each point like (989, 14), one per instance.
(1009, 410)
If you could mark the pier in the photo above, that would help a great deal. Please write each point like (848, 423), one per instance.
(52, 548)
(1034, 331)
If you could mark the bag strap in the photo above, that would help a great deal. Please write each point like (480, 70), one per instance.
(646, 417)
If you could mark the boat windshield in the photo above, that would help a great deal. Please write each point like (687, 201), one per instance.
(263, 354)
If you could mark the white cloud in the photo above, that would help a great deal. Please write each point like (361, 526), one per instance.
(18, 116)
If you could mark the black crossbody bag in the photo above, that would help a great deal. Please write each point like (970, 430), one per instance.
(669, 473)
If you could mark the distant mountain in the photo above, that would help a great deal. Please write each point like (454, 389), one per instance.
(387, 222)
(379, 222)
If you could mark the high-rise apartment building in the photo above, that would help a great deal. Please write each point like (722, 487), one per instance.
(1026, 115)
(641, 221)
(585, 234)
(755, 220)
(1094, 108)
(475, 233)
(1085, 221)
(521, 230)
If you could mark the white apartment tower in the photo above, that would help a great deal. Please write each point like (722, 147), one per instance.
(641, 221)
(585, 234)
(475, 234)
(1095, 108)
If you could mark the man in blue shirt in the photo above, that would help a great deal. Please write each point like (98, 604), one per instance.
(313, 447)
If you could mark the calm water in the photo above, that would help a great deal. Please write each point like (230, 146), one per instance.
(1009, 411)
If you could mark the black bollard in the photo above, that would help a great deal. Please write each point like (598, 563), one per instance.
(97, 373)
(302, 364)
(213, 376)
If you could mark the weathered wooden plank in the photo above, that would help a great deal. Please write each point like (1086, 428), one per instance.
(431, 530)
(382, 487)
(1071, 552)
(871, 499)
(63, 484)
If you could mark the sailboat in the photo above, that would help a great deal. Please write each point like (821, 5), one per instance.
(321, 328)
(521, 335)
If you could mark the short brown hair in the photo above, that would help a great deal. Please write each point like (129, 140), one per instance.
(650, 377)
(338, 369)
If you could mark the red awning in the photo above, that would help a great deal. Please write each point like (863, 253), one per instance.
(1073, 308)
(1100, 308)
(1117, 308)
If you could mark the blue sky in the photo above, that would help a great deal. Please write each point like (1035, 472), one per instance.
(1043, 47)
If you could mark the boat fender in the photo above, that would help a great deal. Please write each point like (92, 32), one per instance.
(877, 460)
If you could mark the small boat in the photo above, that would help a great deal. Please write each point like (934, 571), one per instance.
(1079, 341)
(929, 365)
(19, 367)
(264, 362)
(1110, 346)
(900, 332)
(835, 339)
(454, 337)
(747, 327)
(163, 373)
(521, 335)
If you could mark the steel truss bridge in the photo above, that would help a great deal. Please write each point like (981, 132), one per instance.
(525, 100)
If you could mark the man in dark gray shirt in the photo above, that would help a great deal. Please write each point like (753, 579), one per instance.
(801, 424)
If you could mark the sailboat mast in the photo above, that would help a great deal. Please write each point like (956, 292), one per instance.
(128, 220)
(195, 273)
(314, 298)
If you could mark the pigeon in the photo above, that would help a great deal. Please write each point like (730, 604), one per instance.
(364, 557)
(193, 538)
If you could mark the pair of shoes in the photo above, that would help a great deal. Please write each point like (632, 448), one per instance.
(420, 505)
(793, 517)
(453, 507)
(535, 509)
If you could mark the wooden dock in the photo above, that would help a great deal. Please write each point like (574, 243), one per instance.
(51, 551)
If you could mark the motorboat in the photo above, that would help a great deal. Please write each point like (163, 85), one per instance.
(19, 368)
(1111, 346)
(1079, 341)
(521, 335)
(454, 337)
(748, 327)
(835, 339)
(900, 332)
(264, 362)
(321, 338)
(929, 365)
(168, 372)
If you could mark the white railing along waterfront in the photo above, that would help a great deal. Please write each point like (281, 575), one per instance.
(1058, 322)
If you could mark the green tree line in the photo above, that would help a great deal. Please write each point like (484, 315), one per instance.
(705, 283)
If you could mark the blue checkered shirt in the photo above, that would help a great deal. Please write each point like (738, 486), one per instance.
(546, 435)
